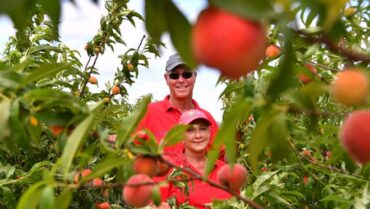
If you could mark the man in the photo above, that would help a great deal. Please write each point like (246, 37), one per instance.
(163, 115)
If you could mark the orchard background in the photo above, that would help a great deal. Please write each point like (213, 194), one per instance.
(53, 128)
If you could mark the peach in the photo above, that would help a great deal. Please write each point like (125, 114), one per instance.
(350, 87)
(115, 90)
(56, 130)
(272, 51)
(162, 167)
(228, 42)
(34, 121)
(355, 135)
(307, 78)
(86, 172)
(233, 177)
(145, 165)
(93, 80)
(138, 195)
(97, 182)
(130, 66)
(104, 205)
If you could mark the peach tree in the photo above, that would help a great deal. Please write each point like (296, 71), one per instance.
(283, 112)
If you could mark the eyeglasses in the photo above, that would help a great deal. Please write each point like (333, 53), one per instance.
(185, 75)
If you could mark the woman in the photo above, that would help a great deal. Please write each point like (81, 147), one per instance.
(197, 137)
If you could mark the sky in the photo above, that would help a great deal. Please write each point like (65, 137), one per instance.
(79, 24)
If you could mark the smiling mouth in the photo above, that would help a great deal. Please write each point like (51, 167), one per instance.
(198, 142)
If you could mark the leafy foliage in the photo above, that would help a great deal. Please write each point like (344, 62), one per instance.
(284, 131)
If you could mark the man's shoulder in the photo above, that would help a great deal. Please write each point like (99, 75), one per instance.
(156, 104)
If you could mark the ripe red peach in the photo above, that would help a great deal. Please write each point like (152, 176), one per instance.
(145, 165)
(85, 172)
(97, 182)
(304, 78)
(355, 135)
(138, 195)
(272, 51)
(228, 42)
(350, 87)
(233, 177)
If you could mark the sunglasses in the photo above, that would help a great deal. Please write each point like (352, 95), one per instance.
(185, 75)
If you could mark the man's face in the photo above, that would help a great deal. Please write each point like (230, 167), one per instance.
(180, 82)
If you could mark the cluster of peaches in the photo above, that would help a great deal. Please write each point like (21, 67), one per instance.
(137, 191)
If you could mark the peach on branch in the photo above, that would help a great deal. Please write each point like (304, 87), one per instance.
(355, 135)
(233, 177)
(115, 90)
(272, 51)
(145, 165)
(138, 190)
(228, 42)
(93, 80)
(350, 87)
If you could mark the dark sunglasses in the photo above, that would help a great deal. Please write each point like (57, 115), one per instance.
(185, 75)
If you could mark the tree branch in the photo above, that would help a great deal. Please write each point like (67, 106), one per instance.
(339, 48)
(214, 184)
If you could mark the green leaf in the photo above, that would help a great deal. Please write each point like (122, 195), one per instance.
(31, 197)
(17, 127)
(180, 33)
(47, 200)
(63, 200)
(52, 8)
(105, 166)
(17, 11)
(283, 76)
(5, 106)
(130, 123)
(43, 71)
(9, 79)
(226, 135)
(174, 136)
(75, 139)
(249, 9)
(270, 131)
(155, 18)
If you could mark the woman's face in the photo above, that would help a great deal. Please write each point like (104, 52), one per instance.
(197, 136)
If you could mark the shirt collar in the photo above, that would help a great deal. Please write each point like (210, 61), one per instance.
(168, 106)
